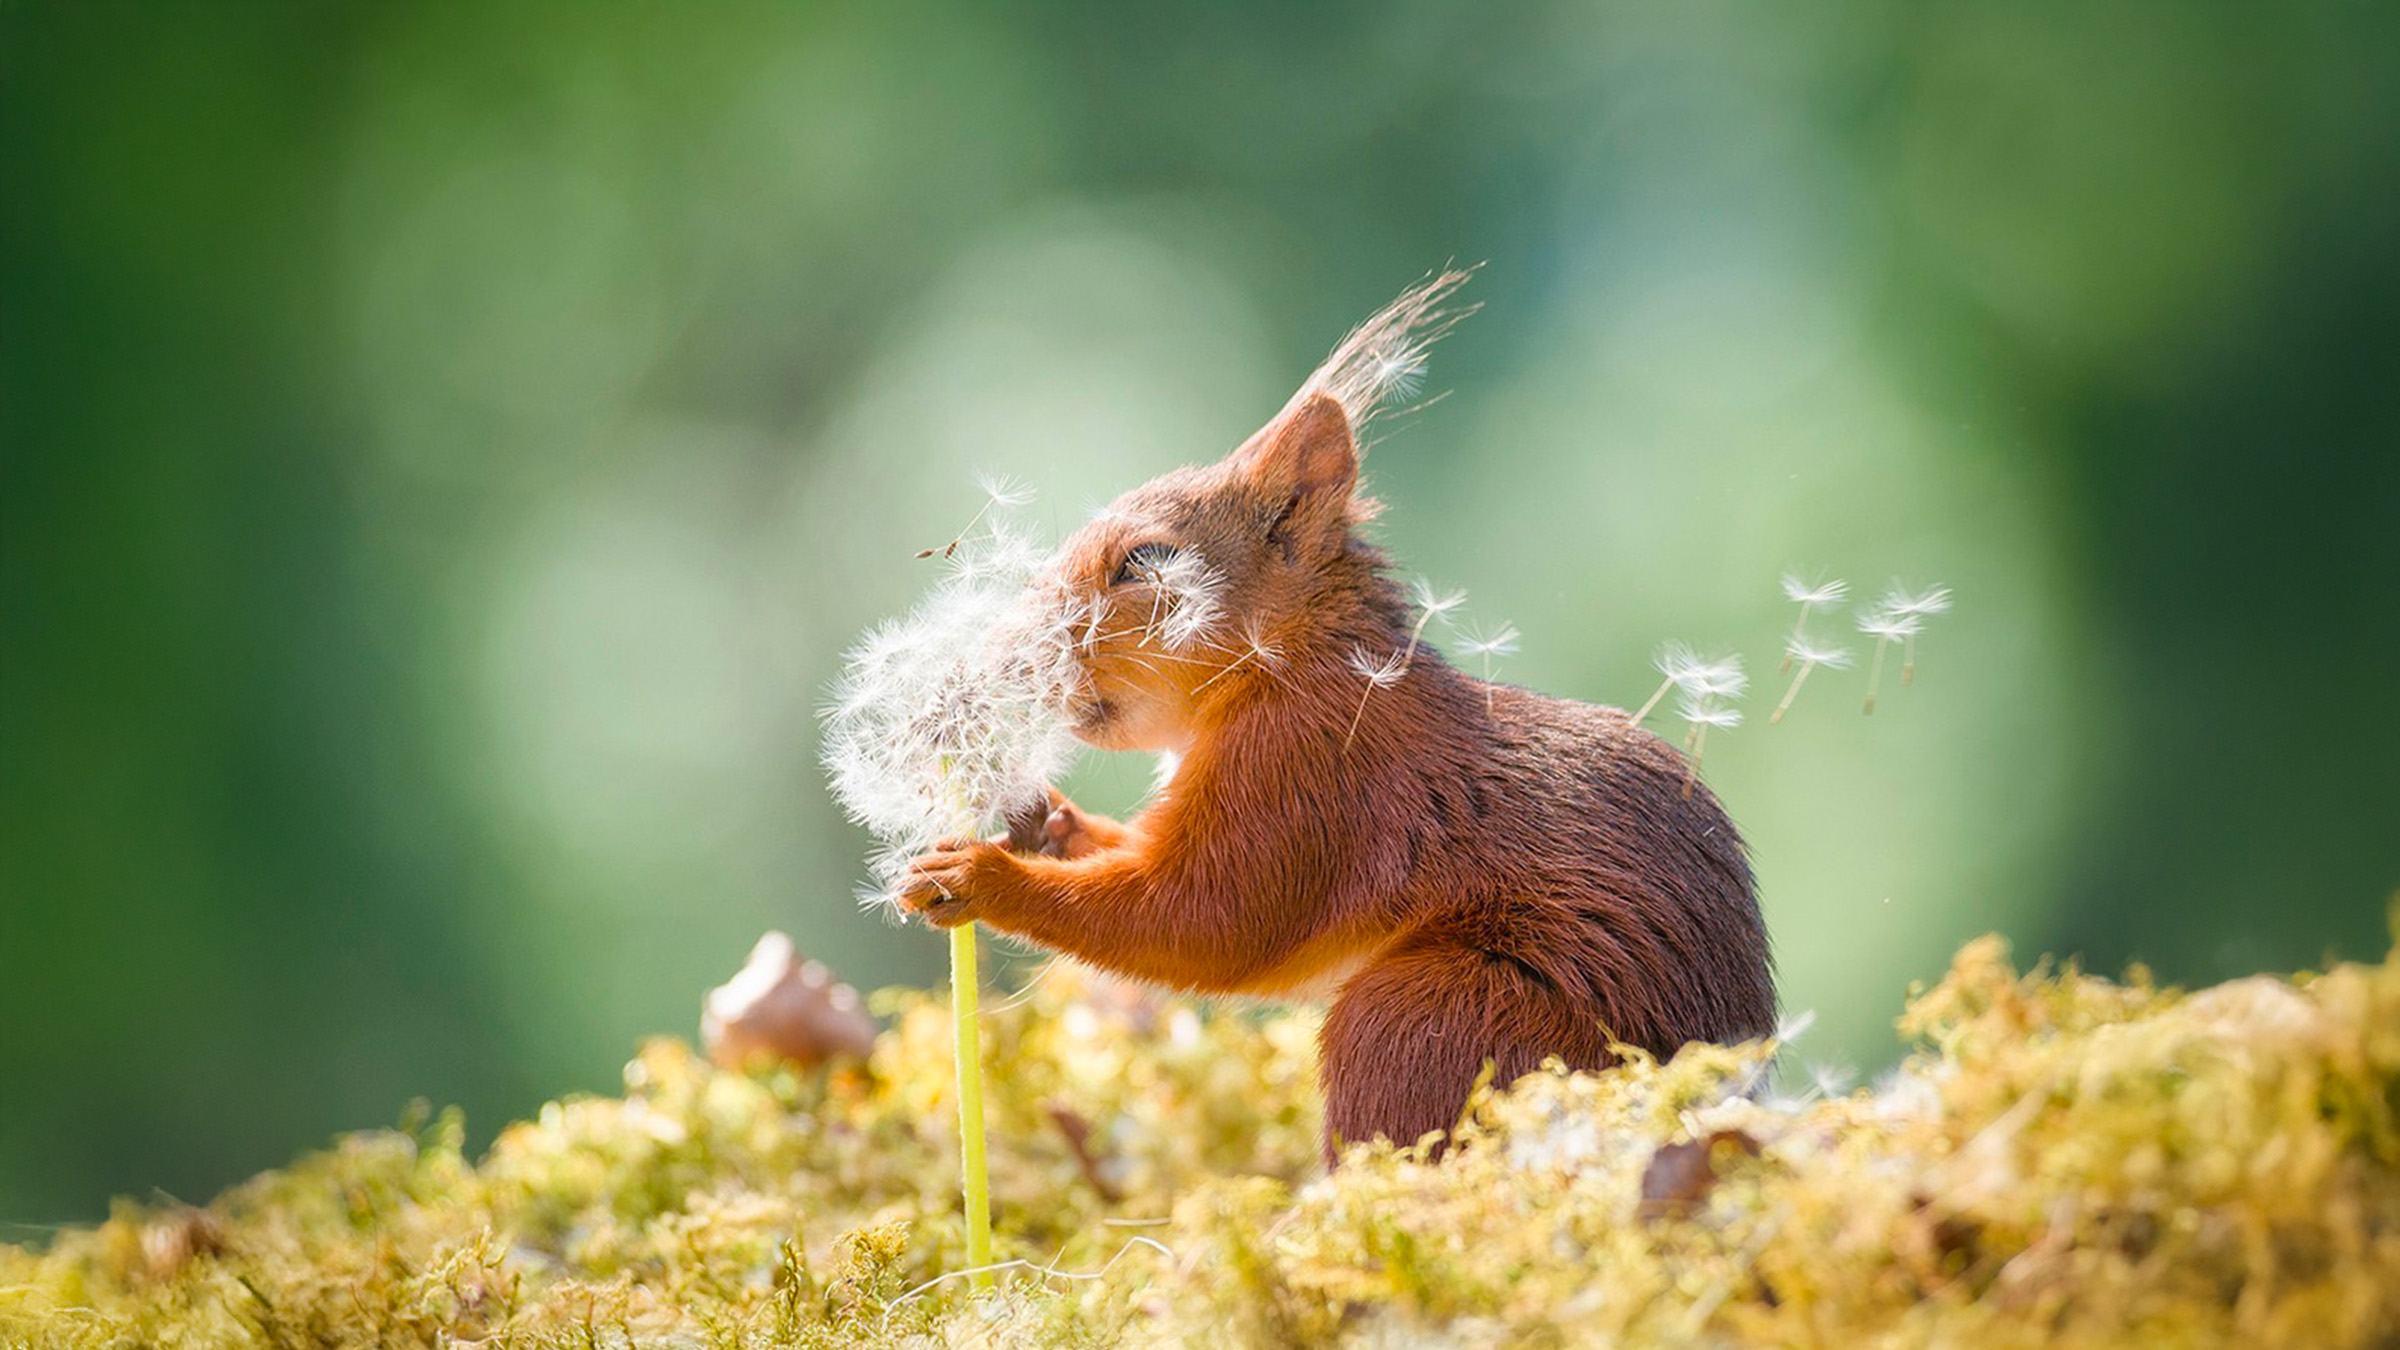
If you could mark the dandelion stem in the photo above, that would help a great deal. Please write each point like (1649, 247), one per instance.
(1793, 692)
(1644, 710)
(970, 1103)
(1875, 672)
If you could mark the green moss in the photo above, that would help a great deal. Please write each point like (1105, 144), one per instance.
(2065, 1161)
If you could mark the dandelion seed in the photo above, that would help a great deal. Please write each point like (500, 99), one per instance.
(1809, 655)
(1191, 593)
(1922, 605)
(1383, 359)
(1675, 661)
(1256, 650)
(1430, 603)
(999, 491)
(1488, 645)
(1885, 627)
(1700, 712)
(1434, 602)
(1722, 678)
(1379, 673)
(1800, 591)
(1397, 372)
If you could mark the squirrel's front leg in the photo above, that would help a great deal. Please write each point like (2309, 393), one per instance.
(1117, 909)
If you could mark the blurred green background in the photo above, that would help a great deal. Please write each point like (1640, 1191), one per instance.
(444, 451)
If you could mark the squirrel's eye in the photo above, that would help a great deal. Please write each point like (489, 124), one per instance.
(1142, 561)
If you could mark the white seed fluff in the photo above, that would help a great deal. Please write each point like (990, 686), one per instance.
(954, 718)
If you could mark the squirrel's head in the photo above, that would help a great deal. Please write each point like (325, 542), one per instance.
(1196, 584)
(1205, 582)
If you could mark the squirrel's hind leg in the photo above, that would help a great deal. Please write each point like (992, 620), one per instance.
(1409, 1034)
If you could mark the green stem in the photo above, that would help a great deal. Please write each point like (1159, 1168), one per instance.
(970, 1104)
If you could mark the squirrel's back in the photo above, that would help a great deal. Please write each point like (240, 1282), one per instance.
(1558, 835)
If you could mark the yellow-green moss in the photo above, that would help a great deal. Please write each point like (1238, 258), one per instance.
(2067, 1161)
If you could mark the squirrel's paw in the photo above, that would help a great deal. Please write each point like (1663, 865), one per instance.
(1067, 833)
(1061, 830)
(947, 884)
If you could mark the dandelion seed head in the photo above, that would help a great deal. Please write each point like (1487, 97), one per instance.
(1803, 592)
(956, 716)
(1808, 652)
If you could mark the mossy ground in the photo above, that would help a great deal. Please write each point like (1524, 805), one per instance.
(2064, 1161)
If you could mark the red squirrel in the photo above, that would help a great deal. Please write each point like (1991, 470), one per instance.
(1473, 873)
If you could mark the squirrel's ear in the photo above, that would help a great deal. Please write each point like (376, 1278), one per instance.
(1305, 451)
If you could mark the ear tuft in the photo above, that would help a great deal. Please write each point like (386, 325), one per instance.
(1306, 450)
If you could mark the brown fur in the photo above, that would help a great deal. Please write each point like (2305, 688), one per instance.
(1484, 873)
